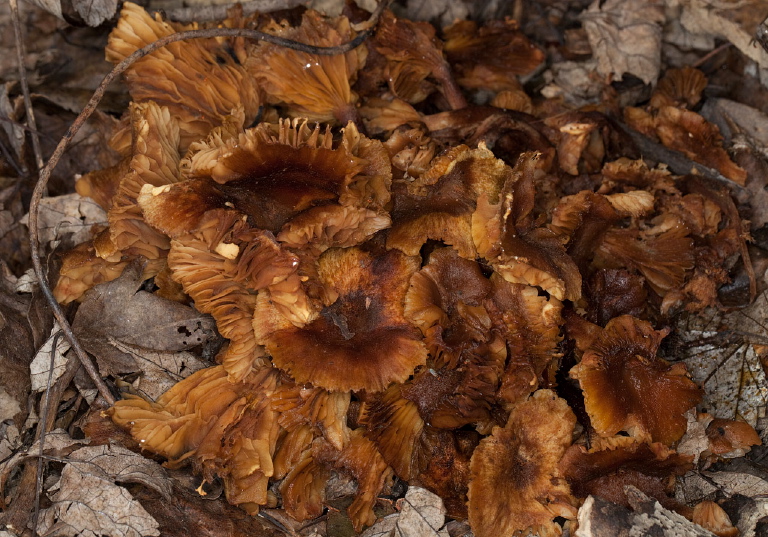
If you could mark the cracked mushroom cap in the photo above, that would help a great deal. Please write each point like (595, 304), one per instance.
(628, 388)
(272, 174)
(199, 71)
(440, 204)
(516, 485)
(310, 85)
(361, 340)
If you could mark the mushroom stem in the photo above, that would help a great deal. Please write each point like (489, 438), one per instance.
(451, 90)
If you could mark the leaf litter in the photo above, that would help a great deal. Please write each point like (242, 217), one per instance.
(147, 342)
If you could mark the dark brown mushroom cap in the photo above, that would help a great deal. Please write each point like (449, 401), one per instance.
(362, 340)
(312, 86)
(664, 258)
(444, 300)
(440, 205)
(516, 485)
(467, 46)
(601, 470)
(687, 131)
(679, 87)
(627, 387)
(199, 71)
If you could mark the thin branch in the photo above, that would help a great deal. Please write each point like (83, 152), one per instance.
(20, 54)
(45, 172)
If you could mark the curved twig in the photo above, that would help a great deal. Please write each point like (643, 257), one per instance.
(45, 172)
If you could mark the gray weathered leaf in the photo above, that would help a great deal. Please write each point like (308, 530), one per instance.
(41, 363)
(70, 213)
(625, 36)
(422, 514)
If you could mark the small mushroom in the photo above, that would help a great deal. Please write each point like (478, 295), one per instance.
(681, 88)
(628, 388)
(518, 463)
(712, 517)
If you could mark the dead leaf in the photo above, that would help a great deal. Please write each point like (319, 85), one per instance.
(422, 514)
(41, 363)
(91, 12)
(719, 352)
(14, 131)
(120, 311)
(116, 463)
(625, 36)
(88, 505)
(71, 213)
(162, 369)
(695, 440)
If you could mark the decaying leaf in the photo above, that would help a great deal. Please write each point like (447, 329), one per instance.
(422, 514)
(625, 37)
(161, 369)
(121, 311)
(41, 364)
(70, 213)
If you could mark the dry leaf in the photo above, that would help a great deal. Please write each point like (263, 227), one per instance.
(625, 36)
(162, 369)
(119, 310)
(90, 506)
(422, 514)
(41, 363)
(719, 352)
(71, 213)
(91, 12)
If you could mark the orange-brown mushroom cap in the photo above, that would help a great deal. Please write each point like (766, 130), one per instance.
(627, 387)
(516, 485)
(362, 340)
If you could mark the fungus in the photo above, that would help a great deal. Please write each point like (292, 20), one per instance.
(360, 340)
(611, 463)
(182, 73)
(519, 464)
(628, 388)
(323, 411)
(413, 53)
(712, 517)
(83, 267)
(507, 235)
(467, 46)
(680, 88)
(440, 205)
(312, 86)
(731, 438)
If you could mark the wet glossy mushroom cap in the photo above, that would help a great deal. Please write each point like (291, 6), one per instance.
(360, 341)
(628, 388)
(516, 485)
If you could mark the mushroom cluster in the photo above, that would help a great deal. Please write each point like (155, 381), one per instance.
(409, 286)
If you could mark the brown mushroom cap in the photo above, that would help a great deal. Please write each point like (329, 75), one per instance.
(626, 387)
(516, 485)
(362, 340)
(325, 412)
(679, 87)
(83, 267)
(712, 517)
(198, 71)
(312, 86)
(440, 205)
(731, 437)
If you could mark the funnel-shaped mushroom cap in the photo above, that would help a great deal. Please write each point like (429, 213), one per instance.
(516, 485)
(199, 71)
(272, 174)
(362, 340)
(627, 387)
(440, 204)
(312, 86)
